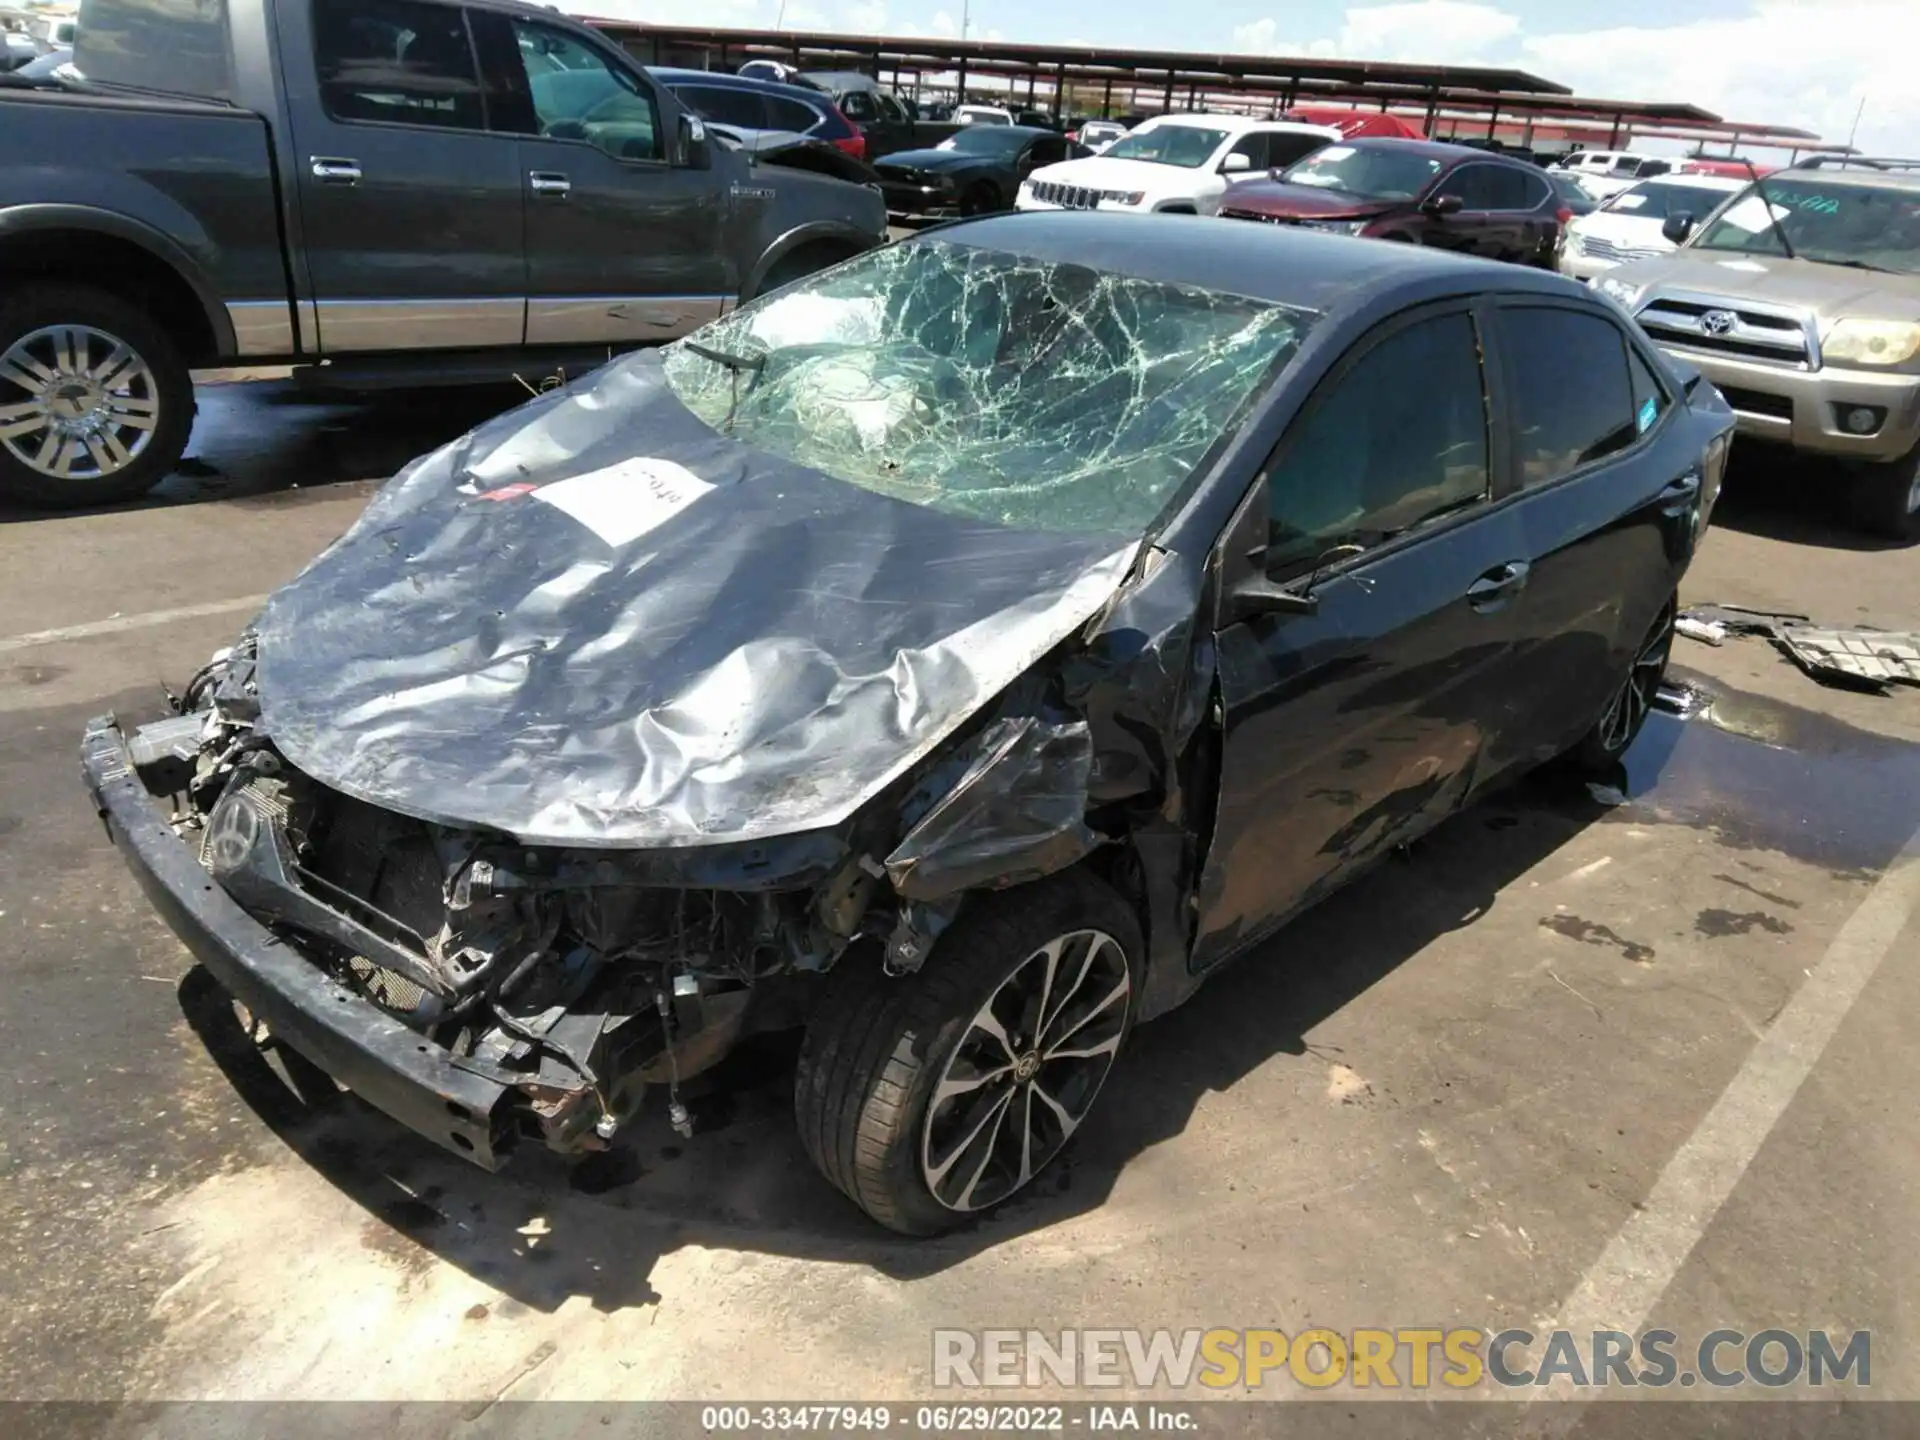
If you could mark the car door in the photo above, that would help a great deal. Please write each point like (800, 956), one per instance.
(1608, 501)
(1351, 729)
(623, 246)
(1477, 226)
(410, 217)
(1246, 156)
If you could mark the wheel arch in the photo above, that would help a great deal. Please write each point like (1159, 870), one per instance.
(833, 241)
(83, 245)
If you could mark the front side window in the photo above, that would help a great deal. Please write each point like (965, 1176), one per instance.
(1186, 146)
(1254, 147)
(1649, 395)
(890, 110)
(1399, 440)
(577, 95)
(1284, 148)
(1569, 396)
(396, 61)
(857, 106)
(1037, 395)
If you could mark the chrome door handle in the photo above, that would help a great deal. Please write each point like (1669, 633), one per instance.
(333, 170)
(549, 182)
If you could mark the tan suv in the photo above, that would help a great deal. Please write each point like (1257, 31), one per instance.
(1800, 299)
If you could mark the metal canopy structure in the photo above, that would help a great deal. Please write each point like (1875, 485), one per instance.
(1445, 101)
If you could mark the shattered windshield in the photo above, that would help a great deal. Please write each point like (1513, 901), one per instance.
(1034, 395)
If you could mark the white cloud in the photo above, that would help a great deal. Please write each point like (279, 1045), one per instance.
(1783, 62)
(869, 17)
(944, 23)
(1439, 32)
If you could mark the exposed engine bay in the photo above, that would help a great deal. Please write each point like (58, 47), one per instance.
(575, 977)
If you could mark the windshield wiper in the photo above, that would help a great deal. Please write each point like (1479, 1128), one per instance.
(1856, 265)
(1766, 203)
(754, 365)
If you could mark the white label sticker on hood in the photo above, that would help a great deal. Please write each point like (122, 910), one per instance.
(624, 501)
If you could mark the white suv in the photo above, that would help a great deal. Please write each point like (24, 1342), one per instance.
(1180, 163)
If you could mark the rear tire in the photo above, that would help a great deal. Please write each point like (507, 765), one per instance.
(1626, 711)
(96, 404)
(899, 1076)
(1886, 499)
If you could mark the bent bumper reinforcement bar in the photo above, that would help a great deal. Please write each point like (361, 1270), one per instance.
(382, 1061)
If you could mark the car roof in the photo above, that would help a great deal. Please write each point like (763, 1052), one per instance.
(720, 79)
(1279, 263)
(1859, 177)
(1432, 149)
(1693, 180)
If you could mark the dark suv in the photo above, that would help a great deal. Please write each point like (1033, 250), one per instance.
(748, 103)
(1419, 191)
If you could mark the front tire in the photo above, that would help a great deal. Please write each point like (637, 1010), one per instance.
(1886, 498)
(931, 1098)
(1627, 708)
(96, 404)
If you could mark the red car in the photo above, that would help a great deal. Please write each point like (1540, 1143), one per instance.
(1419, 191)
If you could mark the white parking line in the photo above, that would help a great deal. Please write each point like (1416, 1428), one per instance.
(1643, 1257)
(114, 624)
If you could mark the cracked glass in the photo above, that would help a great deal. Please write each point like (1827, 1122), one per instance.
(1036, 395)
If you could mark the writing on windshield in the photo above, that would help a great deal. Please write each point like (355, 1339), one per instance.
(1841, 223)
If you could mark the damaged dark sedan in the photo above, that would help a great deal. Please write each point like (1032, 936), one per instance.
(958, 653)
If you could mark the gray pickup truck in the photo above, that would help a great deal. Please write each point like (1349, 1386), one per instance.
(410, 191)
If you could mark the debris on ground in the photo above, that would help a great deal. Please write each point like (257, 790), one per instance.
(1860, 658)
(1870, 659)
(1608, 795)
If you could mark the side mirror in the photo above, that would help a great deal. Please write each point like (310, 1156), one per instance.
(1257, 594)
(1236, 164)
(1441, 206)
(696, 151)
(1678, 227)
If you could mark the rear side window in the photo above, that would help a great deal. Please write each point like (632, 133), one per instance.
(1649, 395)
(396, 61)
(1569, 396)
(728, 107)
(785, 114)
(1398, 440)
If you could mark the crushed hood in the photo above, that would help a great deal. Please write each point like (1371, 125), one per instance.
(597, 622)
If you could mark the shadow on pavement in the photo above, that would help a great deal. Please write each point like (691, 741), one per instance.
(543, 1231)
(1799, 499)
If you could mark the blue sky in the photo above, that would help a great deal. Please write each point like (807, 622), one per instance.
(1797, 62)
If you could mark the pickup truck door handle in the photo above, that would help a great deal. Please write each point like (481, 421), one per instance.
(335, 170)
(549, 182)
(1499, 585)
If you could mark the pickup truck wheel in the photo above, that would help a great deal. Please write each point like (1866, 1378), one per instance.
(930, 1098)
(1886, 498)
(1627, 708)
(95, 400)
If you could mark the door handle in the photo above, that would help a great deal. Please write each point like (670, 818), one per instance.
(1678, 497)
(1499, 585)
(335, 170)
(549, 182)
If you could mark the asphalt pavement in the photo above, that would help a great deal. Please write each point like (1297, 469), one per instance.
(1574, 1060)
